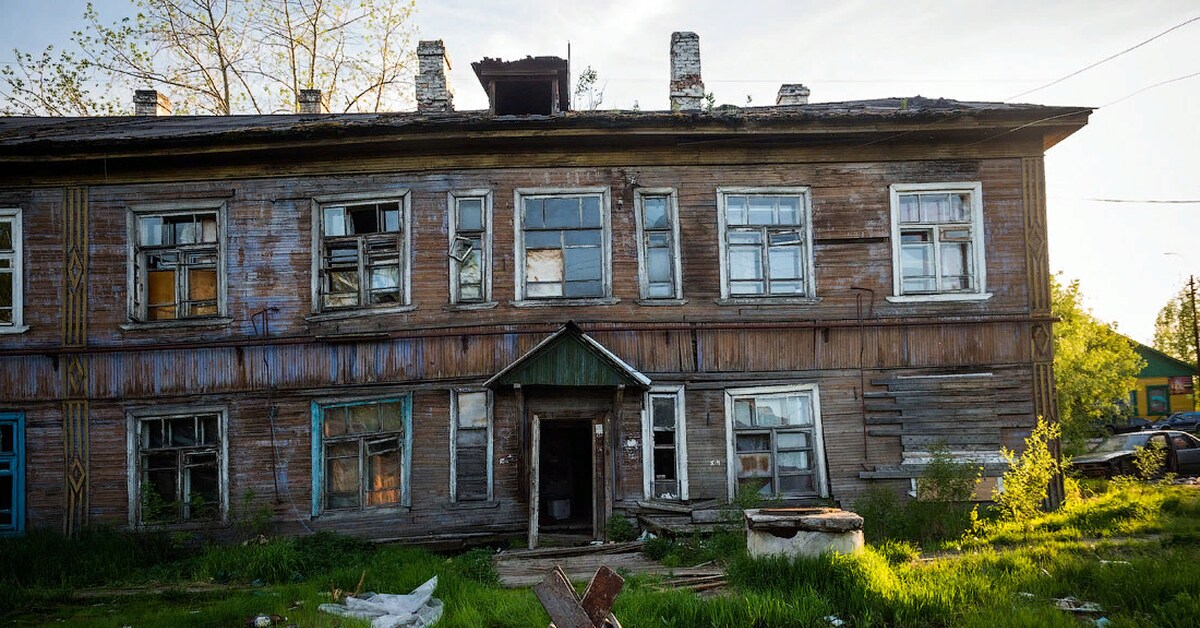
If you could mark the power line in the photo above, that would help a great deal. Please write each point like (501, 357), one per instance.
(1150, 87)
(1104, 60)
(1147, 200)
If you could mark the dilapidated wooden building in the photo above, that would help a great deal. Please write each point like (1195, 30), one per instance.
(443, 324)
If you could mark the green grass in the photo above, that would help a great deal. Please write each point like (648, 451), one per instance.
(1130, 548)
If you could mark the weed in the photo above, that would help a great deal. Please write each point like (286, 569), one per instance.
(1149, 461)
(898, 552)
(621, 529)
(1027, 481)
(476, 565)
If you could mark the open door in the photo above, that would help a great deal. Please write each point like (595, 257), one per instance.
(568, 478)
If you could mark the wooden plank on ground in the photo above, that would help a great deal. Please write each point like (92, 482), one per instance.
(559, 600)
(600, 593)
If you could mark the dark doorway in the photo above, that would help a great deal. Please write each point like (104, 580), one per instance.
(566, 476)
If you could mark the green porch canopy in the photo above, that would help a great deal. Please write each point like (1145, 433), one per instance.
(569, 357)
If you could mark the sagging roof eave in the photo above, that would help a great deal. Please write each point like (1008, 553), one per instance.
(338, 129)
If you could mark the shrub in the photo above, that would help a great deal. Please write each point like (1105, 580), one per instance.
(621, 529)
(1027, 481)
(476, 565)
(946, 479)
(1149, 460)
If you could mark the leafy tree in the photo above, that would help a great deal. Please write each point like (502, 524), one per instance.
(588, 95)
(1094, 366)
(1027, 481)
(1174, 333)
(223, 57)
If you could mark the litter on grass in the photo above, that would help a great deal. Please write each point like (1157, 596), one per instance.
(418, 609)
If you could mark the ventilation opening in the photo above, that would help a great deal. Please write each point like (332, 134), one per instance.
(524, 97)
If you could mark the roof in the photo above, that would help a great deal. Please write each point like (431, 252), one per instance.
(32, 136)
(569, 357)
(548, 68)
(1159, 364)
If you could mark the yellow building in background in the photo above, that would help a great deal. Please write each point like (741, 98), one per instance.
(1164, 386)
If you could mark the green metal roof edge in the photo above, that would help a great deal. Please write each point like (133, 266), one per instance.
(1159, 364)
(571, 331)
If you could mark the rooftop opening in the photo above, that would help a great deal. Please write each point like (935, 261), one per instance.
(529, 86)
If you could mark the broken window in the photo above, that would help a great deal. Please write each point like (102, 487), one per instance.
(659, 254)
(11, 274)
(776, 444)
(470, 248)
(180, 468)
(363, 450)
(472, 443)
(936, 239)
(176, 263)
(363, 255)
(765, 244)
(12, 472)
(666, 451)
(563, 240)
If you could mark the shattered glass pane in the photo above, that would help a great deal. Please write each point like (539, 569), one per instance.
(152, 434)
(743, 412)
(385, 277)
(183, 431)
(664, 464)
(344, 281)
(364, 219)
(185, 230)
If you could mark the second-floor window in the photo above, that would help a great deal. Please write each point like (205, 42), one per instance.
(11, 274)
(177, 265)
(766, 248)
(562, 245)
(658, 244)
(937, 241)
(363, 254)
(470, 248)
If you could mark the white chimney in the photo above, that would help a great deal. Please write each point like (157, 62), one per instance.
(792, 94)
(687, 90)
(311, 101)
(433, 93)
(148, 102)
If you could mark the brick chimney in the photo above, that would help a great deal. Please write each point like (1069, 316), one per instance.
(792, 94)
(687, 90)
(148, 102)
(433, 94)
(311, 101)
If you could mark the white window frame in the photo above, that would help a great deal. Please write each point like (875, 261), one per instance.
(820, 477)
(133, 432)
(672, 197)
(138, 314)
(485, 255)
(681, 458)
(810, 279)
(978, 243)
(519, 194)
(454, 443)
(13, 215)
(399, 195)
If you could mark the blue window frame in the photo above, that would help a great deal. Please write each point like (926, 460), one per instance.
(361, 452)
(12, 473)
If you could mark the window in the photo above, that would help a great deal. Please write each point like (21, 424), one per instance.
(1158, 400)
(937, 242)
(12, 473)
(665, 454)
(470, 446)
(775, 443)
(361, 455)
(177, 264)
(11, 272)
(178, 467)
(362, 259)
(470, 248)
(562, 245)
(766, 240)
(658, 249)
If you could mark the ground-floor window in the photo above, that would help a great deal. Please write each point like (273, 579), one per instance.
(178, 467)
(775, 443)
(361, 454)
(12, 473)
(665, 438)
(471, 445)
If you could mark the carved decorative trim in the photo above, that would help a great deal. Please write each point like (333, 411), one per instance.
(1044, 403)
(1033, 184)
(75, 367)
(1041, 342)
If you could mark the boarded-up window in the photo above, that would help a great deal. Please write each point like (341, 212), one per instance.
(176, 261)
(363, 258)
(563, 246)
(179, 468)
(766, 244)
(471, 430)
(775, 445)
(363, 456)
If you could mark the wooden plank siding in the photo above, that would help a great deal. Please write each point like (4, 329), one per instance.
(853, 343)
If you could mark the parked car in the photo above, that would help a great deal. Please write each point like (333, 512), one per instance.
(1115, 455)
(1186, 421)
(1134, 424)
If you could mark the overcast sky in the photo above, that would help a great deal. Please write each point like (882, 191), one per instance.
(1146, 148)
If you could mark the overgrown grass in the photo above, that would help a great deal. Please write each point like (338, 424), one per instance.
(1130, 548)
